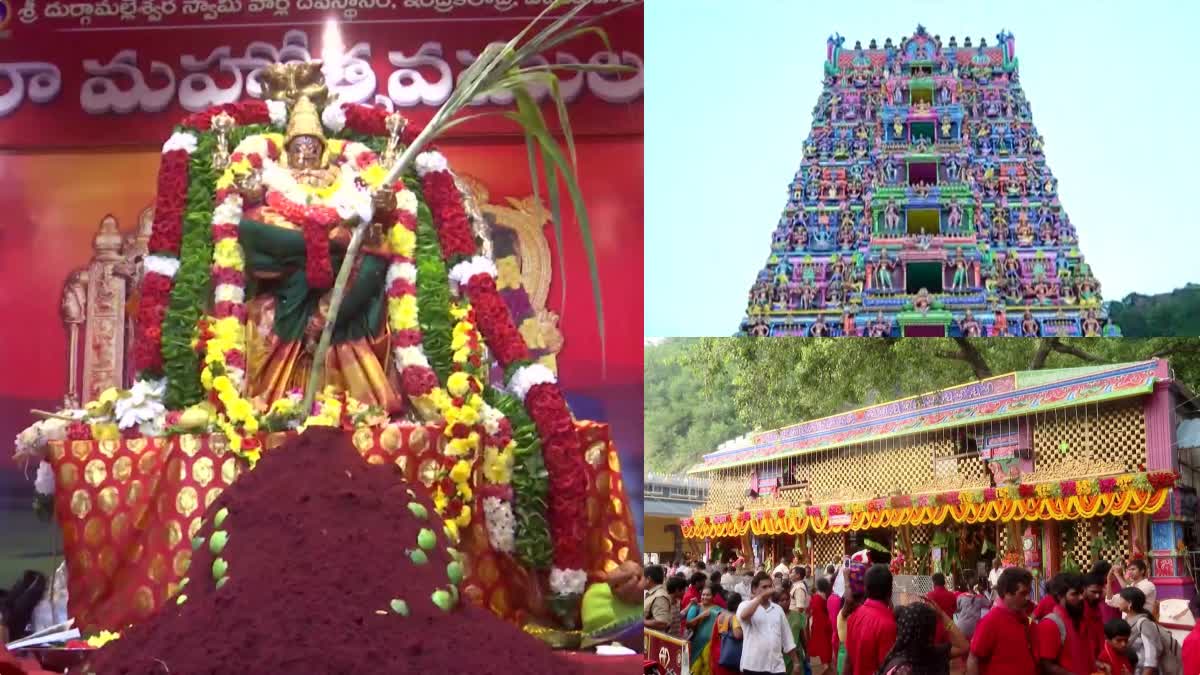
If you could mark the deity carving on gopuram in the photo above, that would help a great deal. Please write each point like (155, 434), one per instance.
(924, 207)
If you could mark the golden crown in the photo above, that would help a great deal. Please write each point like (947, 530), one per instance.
(304, 121)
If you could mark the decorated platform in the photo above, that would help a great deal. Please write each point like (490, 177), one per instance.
(129, 509)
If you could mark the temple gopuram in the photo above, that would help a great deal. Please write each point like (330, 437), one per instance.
(1050, 470)
(924, 206)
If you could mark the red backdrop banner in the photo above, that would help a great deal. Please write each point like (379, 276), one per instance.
(125, 72)
(71, 154)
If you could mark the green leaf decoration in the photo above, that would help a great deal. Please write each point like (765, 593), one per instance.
(530, 483)
(222, 581)
(181, 599)
(399, 606)
(197, 542)
(219, 568)
(433, 289)
(418, 557)
(218, 541)
(418, 510)
(219, 519)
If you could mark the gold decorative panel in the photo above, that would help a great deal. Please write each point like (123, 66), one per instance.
(1098, 440)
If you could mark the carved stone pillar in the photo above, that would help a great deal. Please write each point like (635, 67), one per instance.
(104, 339)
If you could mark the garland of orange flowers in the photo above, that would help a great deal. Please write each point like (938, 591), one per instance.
(1135, 493)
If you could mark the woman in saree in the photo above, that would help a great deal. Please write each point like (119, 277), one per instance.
(700, 618)
(727, 624)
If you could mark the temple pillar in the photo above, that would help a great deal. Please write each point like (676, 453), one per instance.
(1168, 569)
(1160, 424)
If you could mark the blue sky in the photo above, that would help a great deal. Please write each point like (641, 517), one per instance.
(1113, 86)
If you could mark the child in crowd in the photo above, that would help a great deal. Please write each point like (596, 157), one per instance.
(1116, 647)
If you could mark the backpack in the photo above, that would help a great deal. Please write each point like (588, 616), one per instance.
(731, 649)
(1169, 660)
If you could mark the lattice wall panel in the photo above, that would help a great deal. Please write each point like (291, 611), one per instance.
(1085, 530)
(828, 548)
(873, 470)
(1113, 433)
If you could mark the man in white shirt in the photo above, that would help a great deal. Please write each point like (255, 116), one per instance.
(784, 567)
(765, 633)
(1136, 576)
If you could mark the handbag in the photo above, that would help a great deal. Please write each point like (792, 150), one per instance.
(731, 649)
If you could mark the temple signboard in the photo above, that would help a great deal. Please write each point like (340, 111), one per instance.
(77, 74)
(671, 654)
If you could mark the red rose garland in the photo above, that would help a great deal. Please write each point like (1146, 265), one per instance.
(449, 216)
(316, 221)
(372, 121)
(166, 236)
(561, 448)
(246, 112)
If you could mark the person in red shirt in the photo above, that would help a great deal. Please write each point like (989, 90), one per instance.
(695, 585)
(1091, 627)
(942, 597)
(1002, 643)
(1115, 652)
(1059, 647)
(820, 629)
(1191, 644)
(871, 629)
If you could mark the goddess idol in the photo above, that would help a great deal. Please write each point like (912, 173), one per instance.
(257, 204)
(294, 231)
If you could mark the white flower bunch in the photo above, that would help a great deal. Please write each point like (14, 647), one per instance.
(501, 525)
(431, 161)
(278, 112)
(44, 483)
(32, 440)
(528, 377)
(463, 271)
(142, 406)
(567, 582)
(180, 140)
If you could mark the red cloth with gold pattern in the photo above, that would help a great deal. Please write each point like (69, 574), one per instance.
(129, 508)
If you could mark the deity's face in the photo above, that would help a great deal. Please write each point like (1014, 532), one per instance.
(304, 152)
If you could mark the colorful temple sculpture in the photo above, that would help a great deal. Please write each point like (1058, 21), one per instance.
(924, 206)
(1049, 469)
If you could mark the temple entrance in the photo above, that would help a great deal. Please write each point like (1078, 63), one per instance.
(922, 172)
(923, 221)
(922, 130)
(924, 331)
(918, 275)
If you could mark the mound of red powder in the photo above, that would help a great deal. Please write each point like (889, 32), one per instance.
(319, 544)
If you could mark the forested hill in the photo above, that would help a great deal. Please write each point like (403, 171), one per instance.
(701, 392)
(682, 420)
(1165, 314)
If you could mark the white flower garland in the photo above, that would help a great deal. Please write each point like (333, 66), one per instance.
(501, 525)
(44, 483)
(463, 271)
(278, 113)
(528, 377)
(32, 440)
(350, 201)
(490, 418)
(229, 293)
(430, 161)
(180, 140)
(333, 117)
(159, 264)
(567, 582)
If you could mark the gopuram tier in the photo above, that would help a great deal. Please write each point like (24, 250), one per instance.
(924, 206)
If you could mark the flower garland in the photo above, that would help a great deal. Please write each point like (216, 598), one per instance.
(535, 385)
(162, 262)
(1143, 483)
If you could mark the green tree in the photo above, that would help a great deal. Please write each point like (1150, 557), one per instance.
(685, 417)
(770, 383)
(1174, 313)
